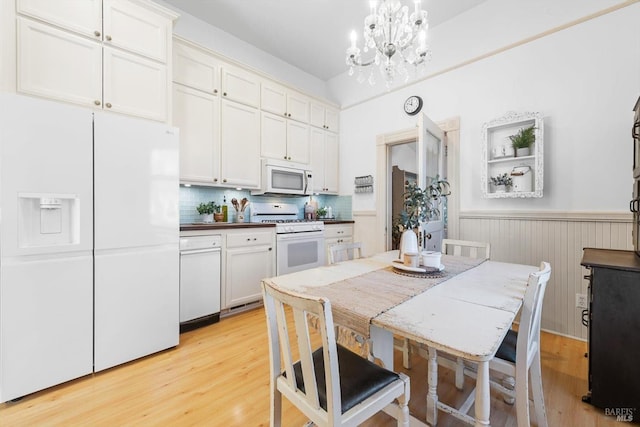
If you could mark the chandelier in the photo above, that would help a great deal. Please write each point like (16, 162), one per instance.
(399, 40)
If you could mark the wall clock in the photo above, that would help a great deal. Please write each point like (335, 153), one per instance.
(413, 105)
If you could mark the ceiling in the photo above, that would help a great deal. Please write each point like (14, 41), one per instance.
(312, 35)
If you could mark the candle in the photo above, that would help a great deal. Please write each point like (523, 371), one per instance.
(354, 37)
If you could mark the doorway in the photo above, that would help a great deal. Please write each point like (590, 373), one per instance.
(392, 149)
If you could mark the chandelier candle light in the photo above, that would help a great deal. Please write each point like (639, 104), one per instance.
(398, 39)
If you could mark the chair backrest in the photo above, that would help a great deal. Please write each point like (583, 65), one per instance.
(466, 248)
(284, 344)
(529, 328)
(344, 251)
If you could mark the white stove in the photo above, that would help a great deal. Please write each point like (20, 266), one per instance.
(286, 216)
(299, 242)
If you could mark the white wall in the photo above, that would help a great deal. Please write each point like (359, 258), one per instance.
(585, 79)
(197, 31)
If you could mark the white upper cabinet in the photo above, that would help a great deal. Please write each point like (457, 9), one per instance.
(197, 114)
(83, 17)
(194, 68)
(110, 54)
(284, 102)
(133, 85)
(75, 75)
(240, 85)
(240, 145)
(284, 139)
(137, 29)
(323, 116)
(324, 161)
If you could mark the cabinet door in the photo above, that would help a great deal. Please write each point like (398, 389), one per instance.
(316, 115)
(298, 107)
(331, 120)
(240, 85)
(273, 98)
(297, 142)
(134, 85)
(130, 26)
(331, 163)
(195, 68)
(245, 269)
(84, 17)
(273, 141)
(239, 145)
(59, 65)
(317, 160)
(197, 114)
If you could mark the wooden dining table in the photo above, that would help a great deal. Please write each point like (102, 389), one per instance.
(464, 310)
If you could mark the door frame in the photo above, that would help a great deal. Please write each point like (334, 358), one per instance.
(451, 128)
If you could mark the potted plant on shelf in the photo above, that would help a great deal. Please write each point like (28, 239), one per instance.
(321, 213)
(501, 182)
(207, 210)
(420, 206)
(523, 140)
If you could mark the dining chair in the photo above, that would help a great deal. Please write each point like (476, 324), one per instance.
(456, 248)
(329, 384)
(466, 248)
(344, 251)
(519, 354)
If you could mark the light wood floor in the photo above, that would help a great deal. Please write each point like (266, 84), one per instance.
(218, 376)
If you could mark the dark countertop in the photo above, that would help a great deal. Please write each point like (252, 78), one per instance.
(337, 221)
(234, 225)
(224, 225)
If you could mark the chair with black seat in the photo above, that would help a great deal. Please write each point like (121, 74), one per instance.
(344, 251)
(519, 354)
(330, 385)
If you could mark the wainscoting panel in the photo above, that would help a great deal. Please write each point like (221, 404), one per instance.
(364, 231)
(556, 237)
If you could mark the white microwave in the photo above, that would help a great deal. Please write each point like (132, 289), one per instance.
(284, 178)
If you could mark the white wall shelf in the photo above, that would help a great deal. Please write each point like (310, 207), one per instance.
(498, 157)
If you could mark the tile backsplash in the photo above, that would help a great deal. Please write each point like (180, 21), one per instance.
(190, 197)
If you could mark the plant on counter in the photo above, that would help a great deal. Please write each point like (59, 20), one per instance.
(503, 179)
(321, 212)
(208, 208)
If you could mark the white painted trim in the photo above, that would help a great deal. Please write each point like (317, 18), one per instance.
(364, 213)
(575, 216)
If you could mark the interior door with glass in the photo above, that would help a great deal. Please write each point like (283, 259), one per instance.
(431, 166)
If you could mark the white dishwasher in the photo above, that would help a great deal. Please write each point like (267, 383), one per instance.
(199, 281)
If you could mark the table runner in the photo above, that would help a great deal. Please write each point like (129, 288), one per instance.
(356, 301)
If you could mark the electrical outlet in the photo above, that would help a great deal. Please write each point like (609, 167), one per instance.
(581, 301)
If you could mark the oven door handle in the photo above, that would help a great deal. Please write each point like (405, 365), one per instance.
(304, 235)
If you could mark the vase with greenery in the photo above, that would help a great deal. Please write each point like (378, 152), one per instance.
(523, 140)
(420, 206)
(501, 182)
(321, 212)
(207, 210)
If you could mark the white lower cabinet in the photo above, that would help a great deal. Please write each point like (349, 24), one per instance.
(335, 234)
(250, 256)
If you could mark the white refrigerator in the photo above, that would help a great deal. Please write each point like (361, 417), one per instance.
(89, 234)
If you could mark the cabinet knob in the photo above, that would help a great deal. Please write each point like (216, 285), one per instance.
(215, 91)
(224, 93)
(285, 114)
(270, 248)
(96, 33)
(215, 179)
(289, 115)
(255, 238)
(108, 38)
(248, 239)
(108, 105)
(289, 158)
(97, 102)
(285, 157)
(224, 180)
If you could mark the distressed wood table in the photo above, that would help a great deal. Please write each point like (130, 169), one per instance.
(466, 314)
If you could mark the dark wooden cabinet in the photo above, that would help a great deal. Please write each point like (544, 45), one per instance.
(614, 328)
